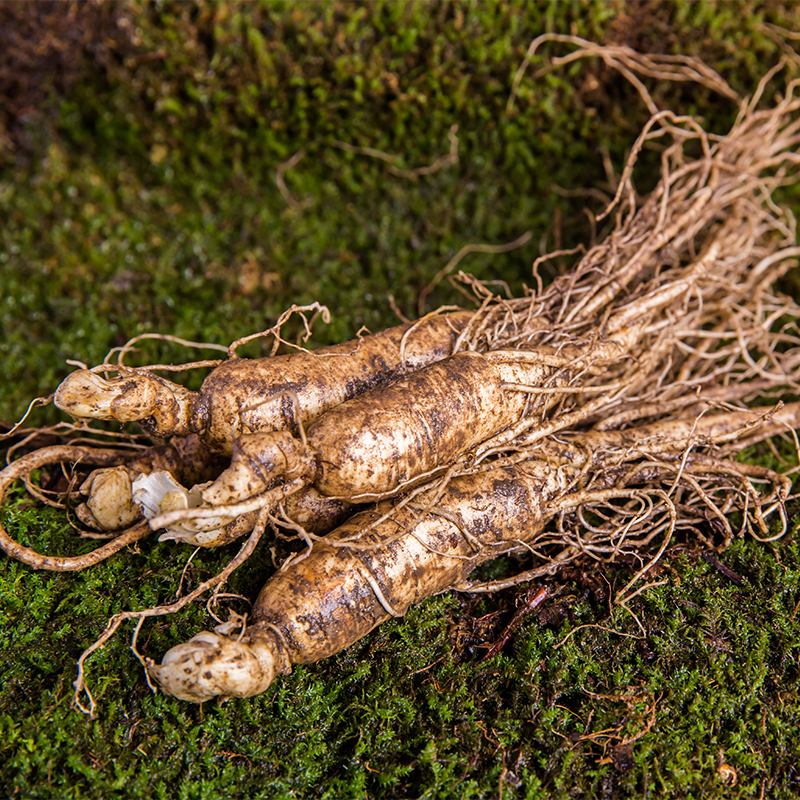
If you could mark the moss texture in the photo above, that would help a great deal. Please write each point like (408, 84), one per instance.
(141, 146)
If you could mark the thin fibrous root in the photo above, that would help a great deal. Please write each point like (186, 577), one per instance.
(158, 611)
(23, 466)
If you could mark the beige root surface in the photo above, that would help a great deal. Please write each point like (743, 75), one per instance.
(264, 394)
(613, 494)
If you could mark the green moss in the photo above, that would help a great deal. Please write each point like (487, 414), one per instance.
(147, 201)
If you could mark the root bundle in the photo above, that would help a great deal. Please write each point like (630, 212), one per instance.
(596, 416)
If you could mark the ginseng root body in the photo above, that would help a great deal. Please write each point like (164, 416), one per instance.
(330, 599)
(387, 437)
(241, 396)
(264, 394)
(394, 436)
(381, 562)
(372, 446)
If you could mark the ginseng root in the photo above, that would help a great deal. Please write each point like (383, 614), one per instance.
(241, 395)
(336, 595)
(118, 497)
(397, 435)
(383, 561)
(264, 394)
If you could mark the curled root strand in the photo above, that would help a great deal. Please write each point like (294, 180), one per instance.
(140, 616)
(22, 467)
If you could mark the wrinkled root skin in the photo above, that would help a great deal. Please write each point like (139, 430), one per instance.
(109, 505)
(266, 394)
(335, 596)
(211, 665)
(256, 461)
(256, 395)
(163, 408)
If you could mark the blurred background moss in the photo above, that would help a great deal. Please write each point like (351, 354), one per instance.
(196, 168)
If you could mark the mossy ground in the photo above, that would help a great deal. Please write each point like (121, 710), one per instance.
(139, 194)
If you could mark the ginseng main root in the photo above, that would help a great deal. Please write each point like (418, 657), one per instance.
(656, 443)
(393, 437)
(383, 561)
(265, 394)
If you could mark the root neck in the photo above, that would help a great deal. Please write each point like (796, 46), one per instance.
(161, 407)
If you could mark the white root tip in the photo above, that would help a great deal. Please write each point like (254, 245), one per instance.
(150, 490)
(210, 665)
(85, 394)
(159, 493)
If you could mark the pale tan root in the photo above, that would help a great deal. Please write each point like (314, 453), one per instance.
(55, 455)
(109, 505)
(133, 397)
(395, 556)
(429, 554)
(684, 280)
(264, 394)
(213, 665)
(109, 492)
